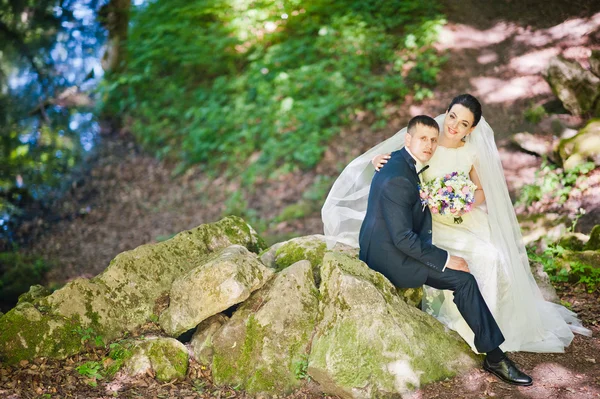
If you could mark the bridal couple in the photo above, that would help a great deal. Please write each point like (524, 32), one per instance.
(476, 273)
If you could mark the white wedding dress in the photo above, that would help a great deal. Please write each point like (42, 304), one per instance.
(471, 240)
(490, 242)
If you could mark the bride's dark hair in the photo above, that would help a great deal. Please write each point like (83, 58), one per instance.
(470, 102)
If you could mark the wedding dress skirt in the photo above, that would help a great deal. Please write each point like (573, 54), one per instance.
(528, 322)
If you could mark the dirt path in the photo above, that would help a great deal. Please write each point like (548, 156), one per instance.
(129, 198)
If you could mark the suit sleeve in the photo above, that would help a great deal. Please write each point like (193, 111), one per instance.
(397, 211)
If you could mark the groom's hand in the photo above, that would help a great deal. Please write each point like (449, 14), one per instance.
(458, 263)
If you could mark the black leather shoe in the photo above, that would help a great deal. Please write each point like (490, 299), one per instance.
(506, 370)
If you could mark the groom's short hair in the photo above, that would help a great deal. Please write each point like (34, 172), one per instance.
(424, 120)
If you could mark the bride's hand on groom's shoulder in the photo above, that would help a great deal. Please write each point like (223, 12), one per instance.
(458, 263)
(379, 160)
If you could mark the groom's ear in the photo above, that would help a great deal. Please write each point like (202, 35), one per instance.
(407, 139)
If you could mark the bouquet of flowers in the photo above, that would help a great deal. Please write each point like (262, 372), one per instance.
(452, 194)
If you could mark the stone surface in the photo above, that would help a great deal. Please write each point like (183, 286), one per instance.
(263, 348)
(595, 62)
(35, 292)
(201, 343)
(165, 358)
(311, 248)
(583, 147)
(370, 343)
(120, 299)
(226, 279)
(542, 145)
(593, 243)
(573, 241)
(576, 87)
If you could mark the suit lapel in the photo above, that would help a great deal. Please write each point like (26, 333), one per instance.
(410, 161)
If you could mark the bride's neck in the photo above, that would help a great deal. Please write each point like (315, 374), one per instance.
(446, 142)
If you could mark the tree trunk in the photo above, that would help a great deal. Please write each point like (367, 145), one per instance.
(115, 17)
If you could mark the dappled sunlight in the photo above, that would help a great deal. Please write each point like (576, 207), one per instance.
(466, 37)
(511, 58)
(495, 90)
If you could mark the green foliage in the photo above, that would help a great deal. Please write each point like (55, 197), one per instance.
(119, 353)
(534, 114)
(548, 260)
(89, 336)
(578, 273)
(261, 87)
(91, 370)
(18, 272)
(554, 182)
(301, 368)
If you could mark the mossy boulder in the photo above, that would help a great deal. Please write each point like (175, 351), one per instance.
(26, 332)
(576, 87)
(165, 358)
(226, 279)
(593, 243)
(370, 343)
(35, 292)
(581, 266)
(264, 347)
(121, 298)
(573, 241)
(311, 248)
(201, 343)
(581, 148)
(595, 62)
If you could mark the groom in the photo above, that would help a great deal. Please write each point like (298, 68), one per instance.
(395, 240)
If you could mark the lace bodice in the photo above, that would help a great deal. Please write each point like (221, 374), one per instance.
(446, 160)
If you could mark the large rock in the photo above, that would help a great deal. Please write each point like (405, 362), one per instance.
(595, 62)
(593, 243)
(573, 241)
(577, 88)
(165, 358)
(35, 292)
(581, 266)
(583, 147)
(285, 254)
(201, 343)
(120, 299)
(228, 278)
(264, 345)
(369, 343)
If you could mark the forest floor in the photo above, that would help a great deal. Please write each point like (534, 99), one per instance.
(127, 198)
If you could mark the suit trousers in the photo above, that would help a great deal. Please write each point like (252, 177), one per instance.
(471, 305)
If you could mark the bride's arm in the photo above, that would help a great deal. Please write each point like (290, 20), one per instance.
(479, 194)
(379, 160)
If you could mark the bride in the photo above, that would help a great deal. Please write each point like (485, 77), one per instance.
(489, 238)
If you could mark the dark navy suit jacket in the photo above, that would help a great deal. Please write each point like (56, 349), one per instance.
(395, 236)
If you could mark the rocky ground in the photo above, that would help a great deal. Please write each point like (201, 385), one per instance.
(128, 198)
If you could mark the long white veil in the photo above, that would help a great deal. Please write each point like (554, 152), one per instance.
(346, 205)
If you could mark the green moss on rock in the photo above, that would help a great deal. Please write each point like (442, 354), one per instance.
(311, 248)
(593, 243)
(121, 298)
(35, 292)
(583, 147)
(370, 343)
(260, 346)
(25, 332)
(166, 357)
